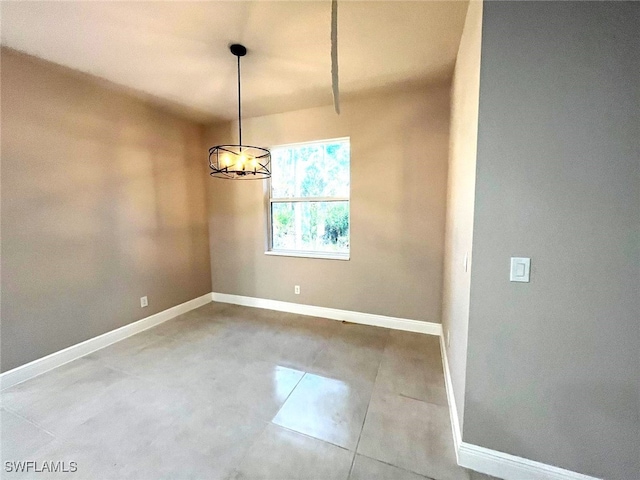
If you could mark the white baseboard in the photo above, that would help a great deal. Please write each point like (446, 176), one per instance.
(332, 313)
(453, 409)
(510, 467)
(56, 359)
(492, 462)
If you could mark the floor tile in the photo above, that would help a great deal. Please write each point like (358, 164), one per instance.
(410, 377)
(122, 353)
(408, 344)
(53, 381)
(192, 326)
(260, 387)
(362, 334)
(481, 476)
(410, 434)
(246, 316)
(158, 432)
(270, 340)
(136, 353)
(213, 310)
(354, 352)
(227, 366)
(194, 398)
(365, 468)
(293, 348)
(165, 361)
(20, 439)
(302, 324)
(82, 391)
(327, 409)
(285, 455)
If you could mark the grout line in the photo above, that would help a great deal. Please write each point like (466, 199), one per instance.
(396, 466)
(310, 436)
(130, 374)
(364, 421)
(286, 399)
(249, 443)
(28, 420)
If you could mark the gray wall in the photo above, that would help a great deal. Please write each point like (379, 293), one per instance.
(553, 365)
(465, 91)
(399, 144)
(103, 202)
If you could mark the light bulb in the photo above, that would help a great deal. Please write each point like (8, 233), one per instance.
(242, 158)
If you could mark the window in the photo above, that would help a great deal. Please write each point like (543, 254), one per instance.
(309, 199)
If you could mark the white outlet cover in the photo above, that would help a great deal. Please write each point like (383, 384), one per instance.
(520, 268)
(144, 302)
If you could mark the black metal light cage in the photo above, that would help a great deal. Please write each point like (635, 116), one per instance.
(239, 162)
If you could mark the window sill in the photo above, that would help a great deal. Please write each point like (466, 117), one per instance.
(326, 256)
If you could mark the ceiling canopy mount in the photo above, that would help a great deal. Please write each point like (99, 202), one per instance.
(238, 50)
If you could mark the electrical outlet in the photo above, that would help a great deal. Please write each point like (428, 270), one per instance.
(296, 289)
(144, 301)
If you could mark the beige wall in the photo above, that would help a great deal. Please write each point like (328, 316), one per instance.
(553, 365)
(399, 146)
(102, 202)
(465, 93)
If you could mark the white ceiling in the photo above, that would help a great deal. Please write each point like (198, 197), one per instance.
(177, 52)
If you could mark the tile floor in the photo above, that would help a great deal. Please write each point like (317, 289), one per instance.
(228, 392)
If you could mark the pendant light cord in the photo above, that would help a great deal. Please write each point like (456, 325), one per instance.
(239, 108)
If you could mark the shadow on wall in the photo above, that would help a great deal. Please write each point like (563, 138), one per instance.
(605, 404)
(102, 202)
(595, 406)
(237, 216)
(97, 200)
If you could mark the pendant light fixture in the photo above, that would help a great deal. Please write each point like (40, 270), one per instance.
(239, 162)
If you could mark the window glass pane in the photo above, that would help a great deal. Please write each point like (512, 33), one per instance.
(311, 170)
(311, 226)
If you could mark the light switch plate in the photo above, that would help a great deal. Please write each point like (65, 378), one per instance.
(520, 268)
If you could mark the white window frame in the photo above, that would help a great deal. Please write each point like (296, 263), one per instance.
(269, 201)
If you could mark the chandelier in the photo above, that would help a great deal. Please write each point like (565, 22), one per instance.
(239, 162)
